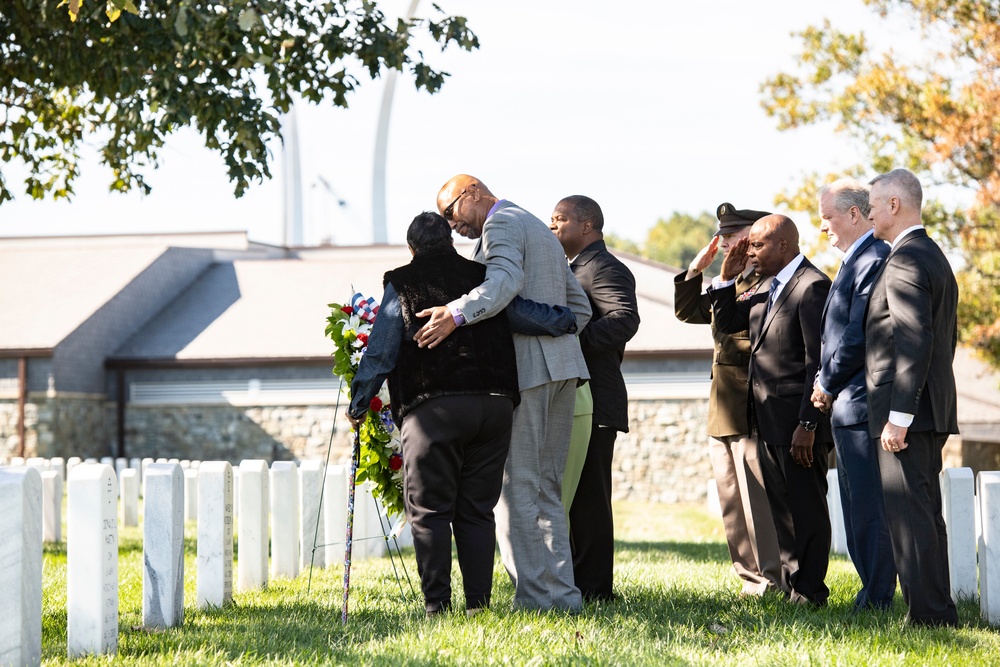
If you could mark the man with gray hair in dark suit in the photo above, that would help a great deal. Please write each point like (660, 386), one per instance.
(912, 328)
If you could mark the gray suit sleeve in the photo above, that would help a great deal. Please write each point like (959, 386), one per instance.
(503, 250)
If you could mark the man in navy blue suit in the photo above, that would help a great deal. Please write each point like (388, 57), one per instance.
(840, 391)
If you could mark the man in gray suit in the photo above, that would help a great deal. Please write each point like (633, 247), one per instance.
(839, 389)
(523, 257)
(911, 328)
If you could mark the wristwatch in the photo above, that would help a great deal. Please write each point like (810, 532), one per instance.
(808, 425)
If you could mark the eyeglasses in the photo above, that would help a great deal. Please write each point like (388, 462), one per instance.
(449, 210)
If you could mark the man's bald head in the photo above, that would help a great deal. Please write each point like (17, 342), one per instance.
(774, 242)
(465, 201)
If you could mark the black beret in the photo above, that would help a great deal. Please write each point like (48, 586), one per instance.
(731, 218)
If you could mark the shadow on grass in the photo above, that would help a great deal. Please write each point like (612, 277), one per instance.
(700, 552)
(721, 621)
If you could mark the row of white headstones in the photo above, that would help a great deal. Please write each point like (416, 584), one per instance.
(285, 511)
(971, 509)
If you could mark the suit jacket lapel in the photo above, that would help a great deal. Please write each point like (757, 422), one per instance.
(786, 290)
(846, 272)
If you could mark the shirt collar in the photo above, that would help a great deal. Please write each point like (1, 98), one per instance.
(856, 244)
(495, 207)
(786, 273)
(904, 233)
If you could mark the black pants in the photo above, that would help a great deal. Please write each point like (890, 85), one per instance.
(454, 449)
(591, 524)
(801, 518)
(912, 494)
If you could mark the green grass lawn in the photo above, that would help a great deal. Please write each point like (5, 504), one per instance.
(677, 605)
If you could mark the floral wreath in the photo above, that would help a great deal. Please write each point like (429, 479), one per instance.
(381, 458)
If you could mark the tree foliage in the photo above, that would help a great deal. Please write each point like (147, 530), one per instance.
(935, 115)
(676, 240)
(227, 68)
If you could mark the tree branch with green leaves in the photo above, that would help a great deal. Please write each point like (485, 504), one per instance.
(227, 68)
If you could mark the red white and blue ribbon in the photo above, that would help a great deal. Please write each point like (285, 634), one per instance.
(364, 307)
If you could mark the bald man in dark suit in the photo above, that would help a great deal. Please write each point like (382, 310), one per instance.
(911, 328)
(793, 435)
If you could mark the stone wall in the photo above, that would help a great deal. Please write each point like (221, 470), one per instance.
(231, 433)
(65, 425)
(664, 456)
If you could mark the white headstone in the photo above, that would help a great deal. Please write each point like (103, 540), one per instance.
(142, 474)
(190, 494)
(254, 501)
(311, 495)
(958, 498)
(71, 463)
(285, 523)
(120, 464)
(335, 514)
(236, 493)
(91, 459)
(136, 464)
(38, 463)
(106, 460)
(21, 566)
(52, 497)
(215, 534)
(128, 481)
(838, 529)
(92, 561)
(163, 547)
(185, 464)
(369, 540)
(17, 461)
(713, 506)
(195, 464)
(58, 464)
(989, 554)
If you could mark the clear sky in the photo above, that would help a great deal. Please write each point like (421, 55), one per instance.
(648, 107)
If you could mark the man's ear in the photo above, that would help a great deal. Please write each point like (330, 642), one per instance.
(588, 226)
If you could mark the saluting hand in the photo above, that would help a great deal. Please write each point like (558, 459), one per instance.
(736, 259)
(704, 258)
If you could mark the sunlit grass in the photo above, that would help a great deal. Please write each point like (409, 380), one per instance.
(677, 604)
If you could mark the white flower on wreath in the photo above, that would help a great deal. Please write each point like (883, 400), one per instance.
(383, 394)
(352, 324)
(356, 357)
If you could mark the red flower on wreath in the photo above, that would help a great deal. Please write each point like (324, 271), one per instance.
(395, 462)
(363, 337)
(376, 404)
(347, 309)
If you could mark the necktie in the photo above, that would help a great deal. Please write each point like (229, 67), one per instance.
(775, 283)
